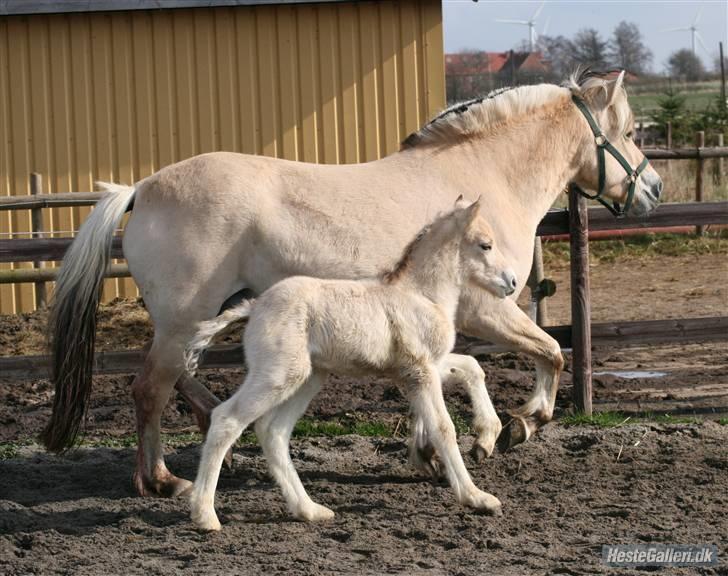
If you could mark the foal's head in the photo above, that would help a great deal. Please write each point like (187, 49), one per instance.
(480, 259)
(606, 103)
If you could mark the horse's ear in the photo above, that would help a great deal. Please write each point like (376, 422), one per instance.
(613, 88)
(473, 210)
(460, 202)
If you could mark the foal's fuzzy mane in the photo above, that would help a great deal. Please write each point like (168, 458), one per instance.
(475, 116)
(404, 262)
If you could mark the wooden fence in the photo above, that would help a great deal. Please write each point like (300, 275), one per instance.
(577, 222)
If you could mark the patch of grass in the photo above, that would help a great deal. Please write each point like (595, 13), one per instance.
(309, 428)
(643, 245)
(9, 450)
(723, 421)
(669, 419)
(462, 426)
(600, 419)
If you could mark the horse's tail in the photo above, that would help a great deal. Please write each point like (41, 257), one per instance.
(72, 321)
(206, 331)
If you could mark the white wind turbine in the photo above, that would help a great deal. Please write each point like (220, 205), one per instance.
(531, 23)
(694, 34)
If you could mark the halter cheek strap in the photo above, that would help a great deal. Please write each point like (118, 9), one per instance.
(603, 145)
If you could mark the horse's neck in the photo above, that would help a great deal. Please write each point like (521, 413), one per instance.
(521, 169)
(435, 273)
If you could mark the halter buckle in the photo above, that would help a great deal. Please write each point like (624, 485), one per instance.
(601, 140)
(633, 177)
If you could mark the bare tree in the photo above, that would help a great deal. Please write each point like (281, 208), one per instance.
(559, 52)
(589, 49)
(626, 49)
(684, 64)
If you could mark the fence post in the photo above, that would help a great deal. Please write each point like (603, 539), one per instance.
(36, 224)
(580, 302)
(719, 164)
(539, 309)
(699, 174)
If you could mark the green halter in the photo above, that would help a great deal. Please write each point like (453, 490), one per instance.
(603, 144)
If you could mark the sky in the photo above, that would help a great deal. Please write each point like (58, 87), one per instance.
(470, 25)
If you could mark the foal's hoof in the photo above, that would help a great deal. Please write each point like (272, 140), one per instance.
(314, 513)
(515, 432)
(424, 459)
(207, 523)
(479, 453)
(485, 503)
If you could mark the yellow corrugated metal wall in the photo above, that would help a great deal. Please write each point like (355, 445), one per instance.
(115, 96)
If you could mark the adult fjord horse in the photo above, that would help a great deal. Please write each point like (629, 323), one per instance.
(211, 226)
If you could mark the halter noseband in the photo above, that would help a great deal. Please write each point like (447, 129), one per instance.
(603, 144)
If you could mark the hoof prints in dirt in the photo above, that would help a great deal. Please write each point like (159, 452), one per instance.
(564, 494)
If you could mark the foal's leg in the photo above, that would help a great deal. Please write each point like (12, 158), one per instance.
(274, 432)
(260, 393)
(465, 370)
(429, 404)
(503, 322)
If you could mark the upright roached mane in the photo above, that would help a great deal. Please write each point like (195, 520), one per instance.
(480, 116)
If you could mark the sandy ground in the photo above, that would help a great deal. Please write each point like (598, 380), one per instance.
(565, 493)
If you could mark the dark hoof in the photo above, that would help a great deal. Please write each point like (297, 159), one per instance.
(514, 433)
(478, 453)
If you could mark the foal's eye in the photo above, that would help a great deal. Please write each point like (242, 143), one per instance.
(485, 247)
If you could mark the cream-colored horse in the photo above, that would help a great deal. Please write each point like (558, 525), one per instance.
(401, 325)
(206, 228)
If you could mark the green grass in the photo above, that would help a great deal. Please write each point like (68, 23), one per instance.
(723, 421)
(643, 245)
(644, 104)
(611, 419)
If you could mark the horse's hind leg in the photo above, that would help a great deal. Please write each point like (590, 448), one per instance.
(151, 390)
(505, 323)
(274, 433)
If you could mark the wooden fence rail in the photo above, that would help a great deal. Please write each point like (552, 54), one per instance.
(556, 222)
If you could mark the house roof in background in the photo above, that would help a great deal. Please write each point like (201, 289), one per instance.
(10, 7)
(470, 63)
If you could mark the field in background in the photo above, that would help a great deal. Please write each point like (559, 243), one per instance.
(645, 97)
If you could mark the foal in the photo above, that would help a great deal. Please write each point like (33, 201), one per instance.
(401, 325)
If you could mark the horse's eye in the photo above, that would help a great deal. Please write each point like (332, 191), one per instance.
(629, 135)
(485, 247)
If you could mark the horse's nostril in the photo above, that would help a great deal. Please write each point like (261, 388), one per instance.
(513, 283)
(657, 190)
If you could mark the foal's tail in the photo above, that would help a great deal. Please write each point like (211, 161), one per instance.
(72, 321)
(206, 331)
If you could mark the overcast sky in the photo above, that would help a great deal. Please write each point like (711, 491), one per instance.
(471, 25)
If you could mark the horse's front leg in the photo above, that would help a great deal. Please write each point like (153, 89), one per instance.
(429, 405)
(503, 322)
(462, 370)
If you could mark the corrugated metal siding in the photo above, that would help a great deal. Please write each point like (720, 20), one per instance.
(116, 96)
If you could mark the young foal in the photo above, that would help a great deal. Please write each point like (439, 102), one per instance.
(401, 325)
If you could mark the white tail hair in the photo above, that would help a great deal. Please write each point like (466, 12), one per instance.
(72, 322)
(207, 330)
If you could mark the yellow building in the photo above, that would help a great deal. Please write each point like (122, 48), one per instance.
(113, 90)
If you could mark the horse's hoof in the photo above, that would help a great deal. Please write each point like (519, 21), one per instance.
(485, 503)
(167, 486)
(314, 513)
(514, 433)
(479, 453)
(207, 522)
(424, 459)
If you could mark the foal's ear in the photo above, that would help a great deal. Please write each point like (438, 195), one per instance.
(473, 210)
(613, 88)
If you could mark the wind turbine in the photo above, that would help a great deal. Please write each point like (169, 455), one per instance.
(531, 23)
(694, 34)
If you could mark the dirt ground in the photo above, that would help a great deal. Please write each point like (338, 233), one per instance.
(565, 493)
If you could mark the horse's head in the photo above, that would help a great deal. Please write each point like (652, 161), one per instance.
(480, 259)
(611, 166)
